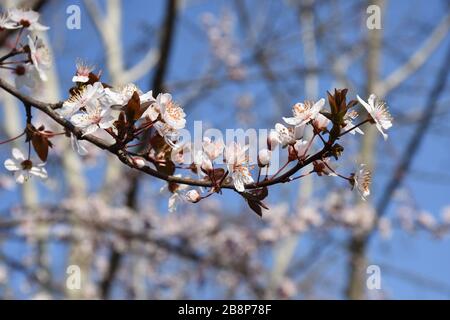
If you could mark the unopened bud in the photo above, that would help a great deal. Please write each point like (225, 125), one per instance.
(138, 162)
(264, 157)
(321, 122)
(301, 147)
(193, 196)
(273, 140)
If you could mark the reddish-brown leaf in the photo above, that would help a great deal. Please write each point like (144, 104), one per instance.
(168, 167)
(121, 125)
(255, 207)
(93, 78)
(253, 199)
(40, 145)
(132, 109)
(218, 174)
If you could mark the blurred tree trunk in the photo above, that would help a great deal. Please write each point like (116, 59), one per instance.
(358, 245)
(285, 250)
(76, 183)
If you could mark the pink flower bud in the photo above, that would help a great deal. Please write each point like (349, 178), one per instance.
(138, 162)
(193, 196)
(301, 147)
(321, 122)
(264, 157)
(273, 140)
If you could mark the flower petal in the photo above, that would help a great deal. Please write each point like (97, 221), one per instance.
(146, 97)
(319, 104)
(39, 172)
(90, 129)
(371, 100)
(368, 107)
(385, 136)
(17, 154)
(11, 165)
(238, 183)
(293, 121)
(21, 176)
(173, 203)
(80, 120)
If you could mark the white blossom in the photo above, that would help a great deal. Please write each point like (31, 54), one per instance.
(264, 156)
(321, 122)
(273, 140)
(202, 161)
(348, 120)
(170, 134)
(212, 149)
(236, 159)
(301, 147)
(304, 112)
(95, 117)
(26, 76)
(40, 56)
(24, 168)
(378, 112)
(87, 97)
(177, 197)
(361, 180)
(6, 23)
(121, 95)
(285, 135)
(181, 154)
(27, 19)
(171, 113)
(152, 110)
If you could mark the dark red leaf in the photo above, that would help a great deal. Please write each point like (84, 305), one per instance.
(255, 207)
(40, 145)
(132, 109)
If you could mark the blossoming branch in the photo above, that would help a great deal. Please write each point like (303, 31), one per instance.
(143, 131)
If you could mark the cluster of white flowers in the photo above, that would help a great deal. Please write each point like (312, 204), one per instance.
(310, 113)
(234, 155)
(87, 109)
(296, 136)
(92, 106)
